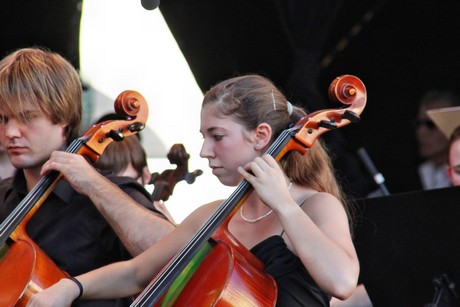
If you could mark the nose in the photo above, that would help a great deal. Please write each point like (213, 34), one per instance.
(12, 129)
(206, 150)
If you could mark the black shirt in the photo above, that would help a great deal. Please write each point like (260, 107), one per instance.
(70, 229)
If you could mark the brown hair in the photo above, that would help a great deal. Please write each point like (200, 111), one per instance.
(118, 155)
(450, 98)
(40, 79)
(253, 99)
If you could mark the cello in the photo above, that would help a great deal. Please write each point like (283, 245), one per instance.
(214, 268)
(24, 267)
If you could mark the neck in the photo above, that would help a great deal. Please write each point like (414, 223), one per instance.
(253, 206)
(32, 176)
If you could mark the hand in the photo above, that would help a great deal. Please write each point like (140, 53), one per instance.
(75, 169)
(268, 180)
(60, 294)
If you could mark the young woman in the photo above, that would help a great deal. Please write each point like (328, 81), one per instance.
(296, 221)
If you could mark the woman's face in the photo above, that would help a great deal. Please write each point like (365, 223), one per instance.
(226, 144)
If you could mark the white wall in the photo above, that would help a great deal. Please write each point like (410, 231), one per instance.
(123, 46)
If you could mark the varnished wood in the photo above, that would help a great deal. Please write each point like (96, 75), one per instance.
(229, 275)
(24, 268)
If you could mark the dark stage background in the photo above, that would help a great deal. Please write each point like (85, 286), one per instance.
(398, 48)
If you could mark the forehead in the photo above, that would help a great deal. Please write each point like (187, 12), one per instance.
(18, 108)
(211, 119)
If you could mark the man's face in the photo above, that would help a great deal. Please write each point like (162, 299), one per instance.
(454, 163)
(30, 139)
(432, 143)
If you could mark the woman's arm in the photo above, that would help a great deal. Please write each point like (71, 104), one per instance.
(321, 239)
(318, 232)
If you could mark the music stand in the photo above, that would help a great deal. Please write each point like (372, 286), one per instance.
(404, 240)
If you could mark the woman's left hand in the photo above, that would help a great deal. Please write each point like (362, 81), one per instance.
(60, 294)
(269, 181)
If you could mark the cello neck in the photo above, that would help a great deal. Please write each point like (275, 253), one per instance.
(154, 291)
(34, 198)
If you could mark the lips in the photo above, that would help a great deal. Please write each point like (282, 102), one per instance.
(215, 169)
(16, 149)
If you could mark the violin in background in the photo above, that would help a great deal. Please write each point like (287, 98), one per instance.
(165, 182)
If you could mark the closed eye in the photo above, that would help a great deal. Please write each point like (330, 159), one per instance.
(218, 137)
(3, 120)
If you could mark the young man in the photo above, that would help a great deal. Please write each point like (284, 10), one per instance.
(448, 121)
(432, 143)
(87, 221)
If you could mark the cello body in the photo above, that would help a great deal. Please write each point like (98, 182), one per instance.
(24, 270)
(229, 275)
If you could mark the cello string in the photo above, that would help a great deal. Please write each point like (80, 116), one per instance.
(163, 279)
(302, 139)
(14, 218)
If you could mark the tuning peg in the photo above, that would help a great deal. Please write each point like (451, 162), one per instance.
(116, 135)
(136, 127)
(351, 116)
(327, 124)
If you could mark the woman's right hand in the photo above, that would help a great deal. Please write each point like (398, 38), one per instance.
(63, 293)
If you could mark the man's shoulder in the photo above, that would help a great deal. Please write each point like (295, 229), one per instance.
(6, 183)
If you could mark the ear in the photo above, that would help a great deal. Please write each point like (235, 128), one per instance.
(263, 134)
(146, 175)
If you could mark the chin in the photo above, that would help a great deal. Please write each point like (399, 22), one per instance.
(229, 182)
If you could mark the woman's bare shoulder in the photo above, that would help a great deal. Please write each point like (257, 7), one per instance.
(200, 214)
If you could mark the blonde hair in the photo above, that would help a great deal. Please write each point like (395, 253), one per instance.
(35, 78)
(253, 99)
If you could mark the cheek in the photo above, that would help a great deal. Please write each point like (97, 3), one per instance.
(2, 135)
(455, 178)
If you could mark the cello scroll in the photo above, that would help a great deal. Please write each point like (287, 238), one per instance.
(346, 89)
(130, 105)
(165, 182)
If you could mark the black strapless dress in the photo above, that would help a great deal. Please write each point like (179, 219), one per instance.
(295, 285)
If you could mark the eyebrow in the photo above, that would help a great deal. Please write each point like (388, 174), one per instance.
(209, 130)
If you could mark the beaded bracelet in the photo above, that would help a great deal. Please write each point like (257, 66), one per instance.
(80, 286)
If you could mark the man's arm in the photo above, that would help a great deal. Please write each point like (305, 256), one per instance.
(136, 226)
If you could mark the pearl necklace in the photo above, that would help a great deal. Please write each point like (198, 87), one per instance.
(262, 216)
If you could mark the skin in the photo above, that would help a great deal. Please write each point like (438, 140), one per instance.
(23, 141)
(453, 171)
(317, 232)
